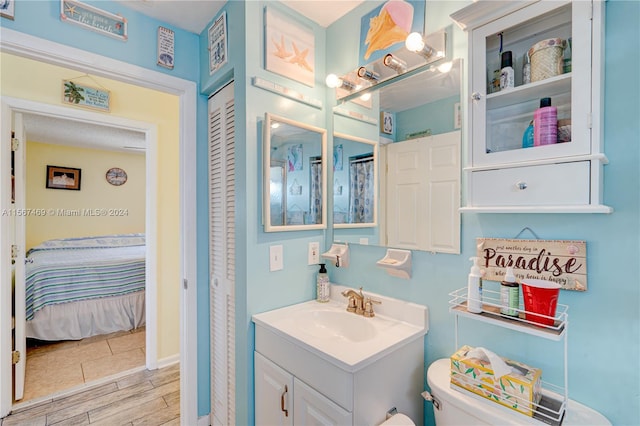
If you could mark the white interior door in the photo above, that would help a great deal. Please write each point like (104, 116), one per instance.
(19, 258)
(423, 193)
(222, 255)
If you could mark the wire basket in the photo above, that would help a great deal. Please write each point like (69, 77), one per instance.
(546, 58)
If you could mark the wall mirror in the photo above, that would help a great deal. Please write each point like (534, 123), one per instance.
(294, 175)
(419, 161)
(355, 182)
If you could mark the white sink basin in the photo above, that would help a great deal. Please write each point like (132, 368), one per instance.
(331, 324)
(347, 340)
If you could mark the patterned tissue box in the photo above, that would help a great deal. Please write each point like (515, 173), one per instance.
(518, 391)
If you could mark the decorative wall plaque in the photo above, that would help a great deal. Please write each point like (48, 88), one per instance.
(560, 261)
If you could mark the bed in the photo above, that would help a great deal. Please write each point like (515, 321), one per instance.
(82, 287)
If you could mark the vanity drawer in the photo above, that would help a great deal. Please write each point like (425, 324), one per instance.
(544, 185)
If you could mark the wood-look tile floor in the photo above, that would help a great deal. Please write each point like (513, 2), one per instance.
(56, 366)
(142, 398)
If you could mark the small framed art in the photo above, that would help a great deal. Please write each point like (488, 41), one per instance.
(63, 178)
(386, 123)
(7, 9)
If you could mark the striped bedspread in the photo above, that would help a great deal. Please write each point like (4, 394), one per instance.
(73, 269)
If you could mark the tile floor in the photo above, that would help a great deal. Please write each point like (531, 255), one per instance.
(53, 367)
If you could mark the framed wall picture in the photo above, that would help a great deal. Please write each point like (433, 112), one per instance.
(63, 178)
(289, 48)
(7, 9)
(218, 43)
(386, 123)
(386, 28)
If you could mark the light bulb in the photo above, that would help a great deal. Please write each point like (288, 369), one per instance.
(414, 42)
(275, 125)
(365, 97)
(445, 67)
(333, 81)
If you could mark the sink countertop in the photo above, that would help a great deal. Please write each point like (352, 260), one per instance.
(396, 323)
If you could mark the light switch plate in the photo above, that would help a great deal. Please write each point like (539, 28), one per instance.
(276, 261)
(314, 253)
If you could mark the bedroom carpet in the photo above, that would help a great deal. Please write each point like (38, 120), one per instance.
(142, 398)
(54, 367)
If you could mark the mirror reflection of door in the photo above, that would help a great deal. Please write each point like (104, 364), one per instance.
(277, 185)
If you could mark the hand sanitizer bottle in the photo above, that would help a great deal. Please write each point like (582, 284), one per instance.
(474, 290)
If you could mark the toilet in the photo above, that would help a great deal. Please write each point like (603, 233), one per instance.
(458, 408)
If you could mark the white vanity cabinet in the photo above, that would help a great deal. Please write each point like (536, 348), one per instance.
(316, 363)
(282, 399)
(502, 176)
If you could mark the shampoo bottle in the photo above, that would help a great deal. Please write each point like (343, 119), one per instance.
(545, 123)
(509, 294)
(323, 288)
(474, 290)
(527, 137)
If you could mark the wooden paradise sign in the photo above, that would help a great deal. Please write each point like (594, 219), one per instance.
(563, 262)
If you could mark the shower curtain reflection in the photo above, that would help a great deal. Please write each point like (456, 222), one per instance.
(361, 191)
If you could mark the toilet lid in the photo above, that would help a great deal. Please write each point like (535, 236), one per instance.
(439, 381)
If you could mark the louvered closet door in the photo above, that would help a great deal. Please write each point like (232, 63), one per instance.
(222, 255)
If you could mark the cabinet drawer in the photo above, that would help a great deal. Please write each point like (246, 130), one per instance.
(552, 184)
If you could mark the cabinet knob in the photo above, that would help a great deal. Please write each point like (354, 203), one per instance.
(521, 186)
(476, 96)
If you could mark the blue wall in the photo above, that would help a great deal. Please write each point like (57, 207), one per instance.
(604, 333)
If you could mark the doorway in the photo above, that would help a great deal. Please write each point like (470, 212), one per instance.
(51, 53)
(75, 343)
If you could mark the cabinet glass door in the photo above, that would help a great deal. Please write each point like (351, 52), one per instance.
(501, 117)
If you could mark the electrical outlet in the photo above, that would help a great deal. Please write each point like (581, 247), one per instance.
(276, 261)
(314, 253)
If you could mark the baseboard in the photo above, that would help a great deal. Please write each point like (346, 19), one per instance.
(165, 362)
(204, 421)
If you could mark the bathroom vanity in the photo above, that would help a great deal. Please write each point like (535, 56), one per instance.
(316, 363)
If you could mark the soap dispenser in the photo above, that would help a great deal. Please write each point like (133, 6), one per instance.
(323, 288)
(474, 290)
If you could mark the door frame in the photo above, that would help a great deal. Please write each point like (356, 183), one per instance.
(42, 50)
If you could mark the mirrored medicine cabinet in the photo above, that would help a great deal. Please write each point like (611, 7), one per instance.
(417, 188)
(294, 175)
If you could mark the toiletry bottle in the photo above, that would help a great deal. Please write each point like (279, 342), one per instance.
(323, 288)
(507, 75)
(527, 137)
(509, 294)
(545, 123)
(474, 290)
(526, 69)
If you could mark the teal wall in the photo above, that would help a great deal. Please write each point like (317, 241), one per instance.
(436, 116)
(603, 342)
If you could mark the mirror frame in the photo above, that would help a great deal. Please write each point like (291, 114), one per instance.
(376, 195)
(266, 174)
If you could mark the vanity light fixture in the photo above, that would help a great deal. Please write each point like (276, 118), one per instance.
(396, 64)
(368, 75)
(415, 43)
(335, 82)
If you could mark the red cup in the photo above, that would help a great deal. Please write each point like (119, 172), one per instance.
(540, 297)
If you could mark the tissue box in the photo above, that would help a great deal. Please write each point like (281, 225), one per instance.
(517, 391)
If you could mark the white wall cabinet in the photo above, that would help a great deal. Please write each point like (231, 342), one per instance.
(502, 176)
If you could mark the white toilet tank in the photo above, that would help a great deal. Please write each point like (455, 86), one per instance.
(458, 408)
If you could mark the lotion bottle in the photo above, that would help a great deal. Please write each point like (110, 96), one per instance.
(507, 76)
(545, 123)
(323, 287)
(509, 294)
(474, 289)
